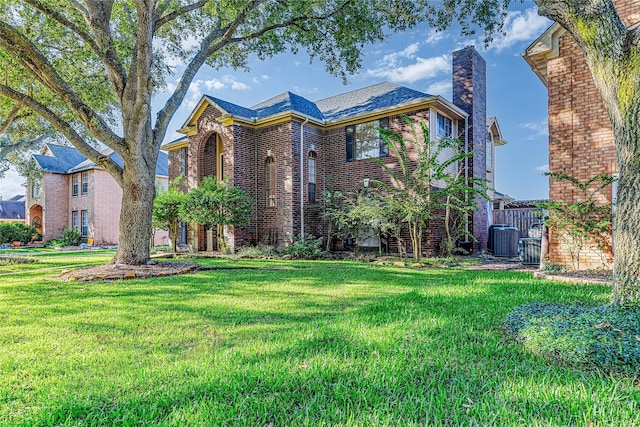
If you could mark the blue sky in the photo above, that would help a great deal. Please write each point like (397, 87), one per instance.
(419, 59)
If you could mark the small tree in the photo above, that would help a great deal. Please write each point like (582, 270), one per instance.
(429, 183)
(583, 222)
(214, 203)
(167, 208)
(360, 213)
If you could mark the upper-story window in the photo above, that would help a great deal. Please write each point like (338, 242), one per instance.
(312, 176)
(363, 140)
(75, 184)
(270, 181)
(85, 182)
(444, 127)
(35, 188)
(183, 161)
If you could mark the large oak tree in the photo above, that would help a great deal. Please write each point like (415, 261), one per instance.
(90, 69)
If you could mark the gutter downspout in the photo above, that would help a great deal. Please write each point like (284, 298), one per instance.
(302, 178)
(466, 176)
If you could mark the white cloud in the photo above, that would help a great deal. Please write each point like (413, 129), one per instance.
(520, 26)
(422, 68)
(409, 52)
(11, 184)
(214, 84)
(235, 85)
(305, 90)
(543, 168)
(441, 87)
(434, 36)
(536, 129)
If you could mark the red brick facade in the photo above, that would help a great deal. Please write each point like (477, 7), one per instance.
(581, 143)
(249, 143)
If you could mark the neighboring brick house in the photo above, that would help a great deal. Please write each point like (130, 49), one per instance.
(581, 142)
(283, 152)
(75, 192)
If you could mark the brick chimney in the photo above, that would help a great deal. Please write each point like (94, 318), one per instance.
(470, 94)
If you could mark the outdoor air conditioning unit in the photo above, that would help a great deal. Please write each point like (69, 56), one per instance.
(491, 237)
(530, 250)
(505, 242)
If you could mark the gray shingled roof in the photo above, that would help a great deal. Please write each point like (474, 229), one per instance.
(71, 160)
(368, 99)
(360, 101)
(10, 209)
(287, 101)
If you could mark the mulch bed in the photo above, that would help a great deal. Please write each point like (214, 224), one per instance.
(123, 271)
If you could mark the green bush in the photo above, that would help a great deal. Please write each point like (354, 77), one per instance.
(259, 251)
(308, 248)
(605, 336)
(70, 237)
(16, 232)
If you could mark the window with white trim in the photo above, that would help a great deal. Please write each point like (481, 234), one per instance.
(312, 176)
(84, 229)
(85, 182)
(75, 184)
(444, 126)
(270, 181)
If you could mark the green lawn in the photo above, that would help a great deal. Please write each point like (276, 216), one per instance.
(271, 343)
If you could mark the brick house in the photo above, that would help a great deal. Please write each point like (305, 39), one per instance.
(75, 192)
(284, 151)
(581, 142)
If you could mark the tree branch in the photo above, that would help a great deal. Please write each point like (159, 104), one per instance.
(26, 53)
(67, 130)
(108, 56)
(164, 19)
(10, 117)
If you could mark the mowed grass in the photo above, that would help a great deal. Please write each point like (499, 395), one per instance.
(272, 343)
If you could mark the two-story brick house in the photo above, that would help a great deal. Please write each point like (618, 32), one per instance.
(283, 152)
(75, 192)
(581, 142)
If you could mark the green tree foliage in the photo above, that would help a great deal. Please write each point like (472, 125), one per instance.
(16, 232)
(428, 185)
(214, 204)
(167, 208)
(584, 222)
(88, 71)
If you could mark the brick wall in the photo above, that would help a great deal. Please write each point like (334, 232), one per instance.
(54, 198)
(469, 93)
(581, 141)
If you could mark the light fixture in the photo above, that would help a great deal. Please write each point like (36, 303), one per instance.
(366, 182)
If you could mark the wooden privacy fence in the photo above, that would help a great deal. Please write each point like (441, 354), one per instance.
(521, 218)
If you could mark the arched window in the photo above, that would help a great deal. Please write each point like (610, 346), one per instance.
(312, 176)
(270, 181)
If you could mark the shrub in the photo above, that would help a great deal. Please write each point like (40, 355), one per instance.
(259, 251)
(70, 237)
(16, 232)
(308, 248)
(605, 336)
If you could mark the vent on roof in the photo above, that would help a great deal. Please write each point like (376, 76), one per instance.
(505, 242)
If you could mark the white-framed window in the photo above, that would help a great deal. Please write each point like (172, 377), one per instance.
(312, 176)
(270, 181)
(75, 184)
(84, 229)
(183, 161)
(75, 220)
(85, 182)
(444, 126)
(363, 141)
(35, 188)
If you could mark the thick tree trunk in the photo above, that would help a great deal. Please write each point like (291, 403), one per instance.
(613, 54)
(138, 192)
